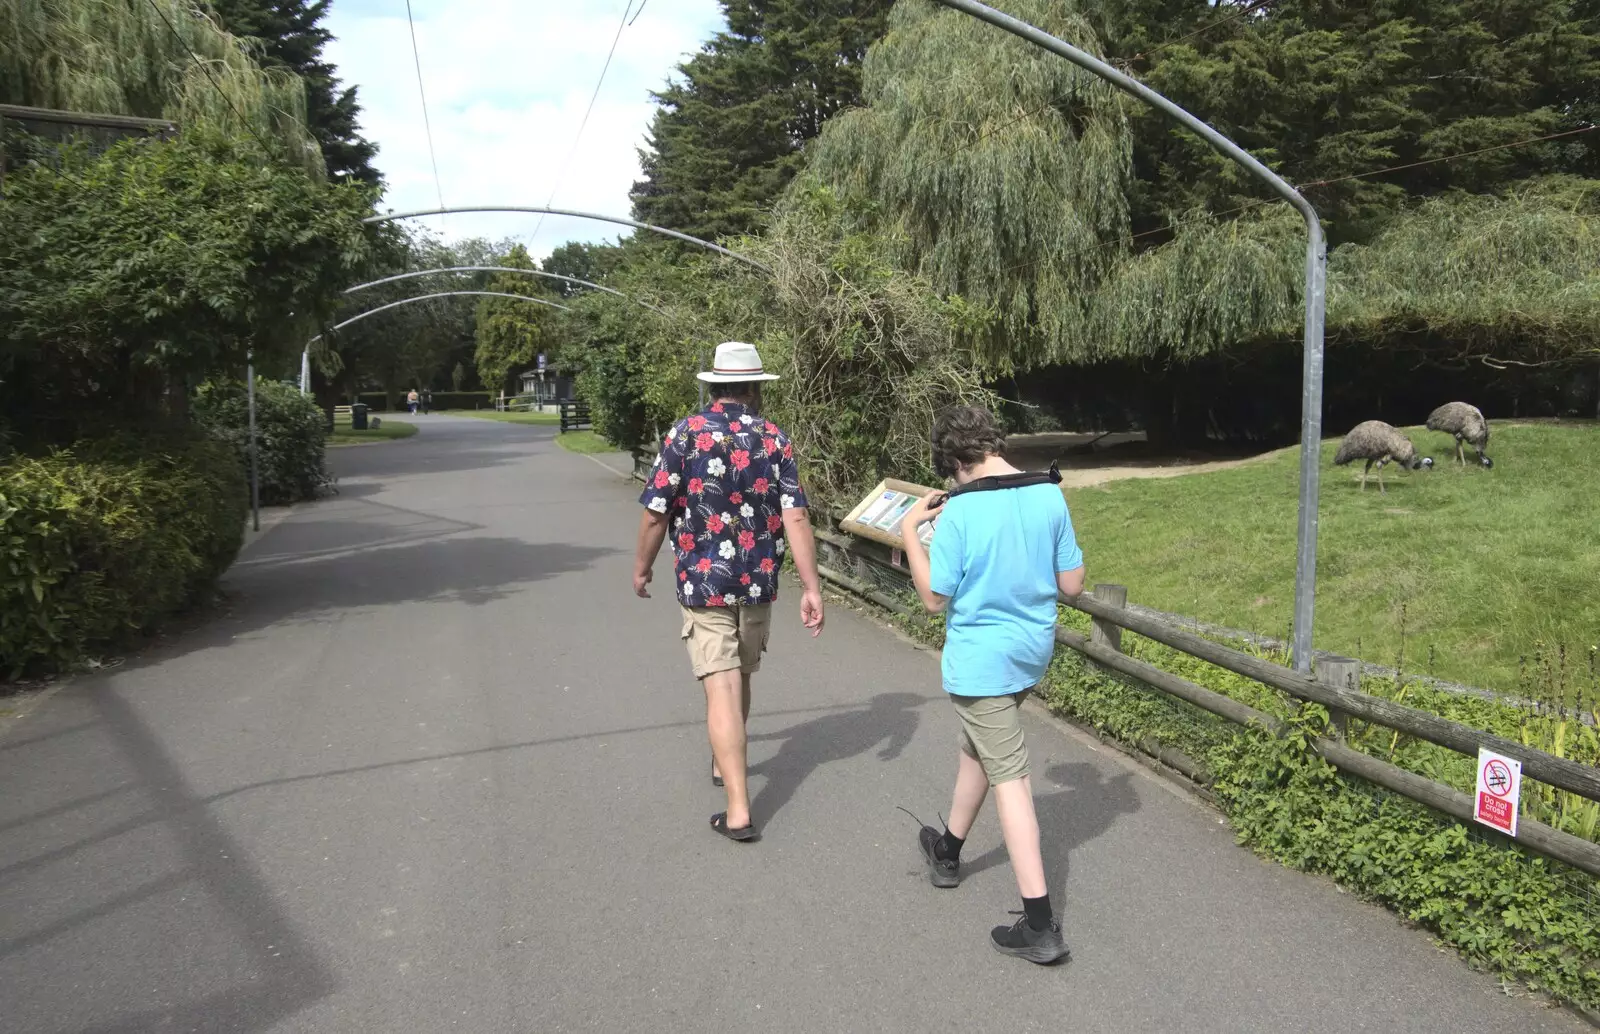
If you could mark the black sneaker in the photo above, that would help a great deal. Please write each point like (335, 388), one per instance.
(943, 872)
(1023, 941)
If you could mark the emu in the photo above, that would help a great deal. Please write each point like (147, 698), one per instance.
(1377, 442)
(1468, 425)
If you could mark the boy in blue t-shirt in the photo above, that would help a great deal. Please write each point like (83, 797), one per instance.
(999, 560)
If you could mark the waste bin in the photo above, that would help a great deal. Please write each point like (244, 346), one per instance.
(358, 416)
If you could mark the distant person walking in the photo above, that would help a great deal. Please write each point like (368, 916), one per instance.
(1000, 556)
(427, 400)
(727, 486)
(411, 400)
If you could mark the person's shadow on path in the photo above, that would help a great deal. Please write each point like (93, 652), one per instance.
(1087, 805)
(833, 737)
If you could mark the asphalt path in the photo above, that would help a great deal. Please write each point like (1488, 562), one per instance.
(436, 769)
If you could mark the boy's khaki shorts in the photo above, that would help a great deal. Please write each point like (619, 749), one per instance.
(991, 734)
(725, 638)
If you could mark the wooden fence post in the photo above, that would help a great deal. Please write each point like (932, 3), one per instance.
(1339, 673)
(1102, 631)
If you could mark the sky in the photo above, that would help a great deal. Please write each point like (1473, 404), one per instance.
(507, 83)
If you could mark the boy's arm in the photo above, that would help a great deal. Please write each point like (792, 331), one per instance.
(917, 554)
(1069, 559)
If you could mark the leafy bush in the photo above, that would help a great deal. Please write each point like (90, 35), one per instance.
(101, 541)
(291, 442)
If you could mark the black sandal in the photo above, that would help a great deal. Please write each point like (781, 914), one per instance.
(716, 780)
(719, 824)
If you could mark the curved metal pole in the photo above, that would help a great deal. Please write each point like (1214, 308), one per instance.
(1305, 581)
(576, 215)
(358, 317)
(504, 269)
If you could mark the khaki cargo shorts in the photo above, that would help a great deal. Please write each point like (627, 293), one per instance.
(725, 638)
(991, 734)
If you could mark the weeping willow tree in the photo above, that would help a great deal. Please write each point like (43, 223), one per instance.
(164, 59)
(1002, 171)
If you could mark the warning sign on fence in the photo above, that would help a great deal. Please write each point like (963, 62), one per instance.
(1499, 790)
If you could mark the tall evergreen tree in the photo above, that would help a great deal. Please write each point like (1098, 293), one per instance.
(289, 34)
(728, 135)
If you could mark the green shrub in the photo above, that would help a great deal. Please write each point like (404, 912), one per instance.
(100, 542)
(291, 436)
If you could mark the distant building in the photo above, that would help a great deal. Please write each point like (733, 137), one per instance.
(555, 385)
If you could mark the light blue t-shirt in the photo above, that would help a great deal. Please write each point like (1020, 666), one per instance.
(996, 555)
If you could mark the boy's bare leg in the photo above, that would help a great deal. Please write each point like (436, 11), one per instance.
(744, 708)
(972, 786)
(1020, 826)
(725, 724)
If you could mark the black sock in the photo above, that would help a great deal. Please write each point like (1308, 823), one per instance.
(948, 847)
(1038, 912)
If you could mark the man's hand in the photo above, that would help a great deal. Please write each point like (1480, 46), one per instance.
(641, 583)
(811, 611)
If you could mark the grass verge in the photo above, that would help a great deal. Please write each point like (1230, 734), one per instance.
(1479, 576)
(533, 417)
(343, 434)
(584, 443)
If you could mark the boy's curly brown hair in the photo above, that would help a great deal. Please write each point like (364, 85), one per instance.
(965, 435)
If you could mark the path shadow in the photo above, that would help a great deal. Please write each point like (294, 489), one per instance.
(890, 717)
(1086, 806)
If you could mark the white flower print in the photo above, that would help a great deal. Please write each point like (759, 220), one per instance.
(716, 436)
(726, 550)
(747, 511)
(787, 502)
(778, 547)
(755, 592)
(658, 504)
(715, 467)
(672, 433)
(727, 518)
(688, 588)
(673, 479)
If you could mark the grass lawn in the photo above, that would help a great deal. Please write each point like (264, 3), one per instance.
(1481, 567)
(391, 430)
(549, 417)
(584, 443)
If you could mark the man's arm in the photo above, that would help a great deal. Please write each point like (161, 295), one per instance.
(803, 547)
(917, 555)
(652, 532)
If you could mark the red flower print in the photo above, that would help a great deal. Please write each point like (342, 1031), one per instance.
(704, 443)
(772, 446)
(767, 565)
(683, 576)
(774, 522)
(772, 428)
(735, 498)
(741, 459)
(747, 540)
(682, 502)
(686, 542)
(697, 423)
(744, 579)
(703, 564)
(761, 486)
(662, 478)
(714, 524)
(788, 451)
(696, 486)
(716, 407)
(715, 601)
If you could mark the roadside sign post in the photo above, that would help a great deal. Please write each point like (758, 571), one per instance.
(1499, 791)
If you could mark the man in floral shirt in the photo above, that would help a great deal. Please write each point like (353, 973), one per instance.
(727, 490)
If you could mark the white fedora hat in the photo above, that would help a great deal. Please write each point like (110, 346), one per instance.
(736, 363)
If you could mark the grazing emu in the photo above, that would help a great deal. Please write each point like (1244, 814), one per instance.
(1467, 424)
(1377, 442)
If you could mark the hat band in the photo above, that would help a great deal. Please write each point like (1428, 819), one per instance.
(735, 369)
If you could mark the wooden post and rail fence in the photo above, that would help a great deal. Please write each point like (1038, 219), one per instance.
(1334, 684)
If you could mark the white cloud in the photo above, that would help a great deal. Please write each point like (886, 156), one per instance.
(507, 84)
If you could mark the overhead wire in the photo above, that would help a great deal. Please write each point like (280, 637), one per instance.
(427, 126)
(566, 164)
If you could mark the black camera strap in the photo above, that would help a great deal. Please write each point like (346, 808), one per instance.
(994, 482)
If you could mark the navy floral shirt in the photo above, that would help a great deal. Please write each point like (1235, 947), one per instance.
(724, 477)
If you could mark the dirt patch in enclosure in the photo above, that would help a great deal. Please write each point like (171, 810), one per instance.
(1093, 459)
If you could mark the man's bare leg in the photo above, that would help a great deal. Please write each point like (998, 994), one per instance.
(744, 708)
(1020, 827)
(725, 724)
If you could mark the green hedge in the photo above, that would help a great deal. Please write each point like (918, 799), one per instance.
(378, 402)
(291, 436)
(100, 542)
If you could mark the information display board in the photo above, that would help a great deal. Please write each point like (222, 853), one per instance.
(878, 516)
